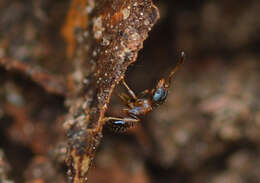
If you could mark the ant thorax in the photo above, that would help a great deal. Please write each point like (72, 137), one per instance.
(141, 107)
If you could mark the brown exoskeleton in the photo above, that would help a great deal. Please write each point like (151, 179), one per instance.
(143, 103)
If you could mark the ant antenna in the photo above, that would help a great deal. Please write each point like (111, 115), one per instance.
(177, 67)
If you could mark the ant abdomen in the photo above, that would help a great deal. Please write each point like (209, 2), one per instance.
(120, 126)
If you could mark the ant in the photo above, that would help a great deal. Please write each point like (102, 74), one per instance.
(143, 103)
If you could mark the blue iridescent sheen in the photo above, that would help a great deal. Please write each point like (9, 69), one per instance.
(121, 122)
(159, 95)
(134, 111)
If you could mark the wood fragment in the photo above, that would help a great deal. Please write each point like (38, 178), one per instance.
(114, 35)
(51, 83)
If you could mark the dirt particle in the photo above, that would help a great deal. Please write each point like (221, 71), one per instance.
(98, 27)
(91, 6)
(126, 13)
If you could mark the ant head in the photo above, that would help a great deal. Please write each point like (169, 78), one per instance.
(159, 94)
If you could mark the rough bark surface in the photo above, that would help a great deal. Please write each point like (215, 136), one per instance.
(109, 43)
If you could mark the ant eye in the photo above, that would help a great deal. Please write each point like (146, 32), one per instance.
(159, 95)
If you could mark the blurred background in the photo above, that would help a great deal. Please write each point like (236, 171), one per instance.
(208, 131)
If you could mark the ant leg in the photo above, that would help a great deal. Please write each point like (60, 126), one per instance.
(143, 93)
(177, 67)
(124, 98)
(129, 90)
(121, 119)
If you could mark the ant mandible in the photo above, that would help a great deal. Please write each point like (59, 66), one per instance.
(143, 103)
